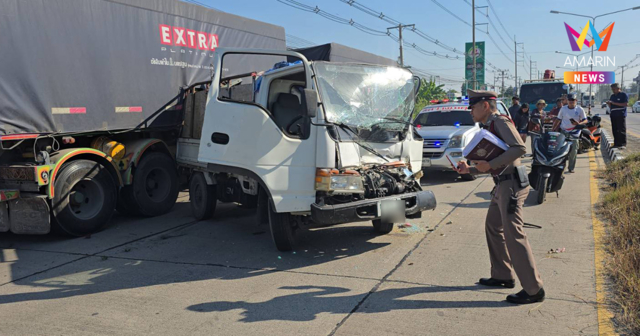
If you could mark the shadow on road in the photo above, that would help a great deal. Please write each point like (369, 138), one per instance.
(313, 300)
(230, 247)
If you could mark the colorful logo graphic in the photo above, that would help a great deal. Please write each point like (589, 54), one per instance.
(601, 40)
(589, 77)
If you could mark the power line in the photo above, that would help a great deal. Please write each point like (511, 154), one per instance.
(383, 17)
(450, 12)
(201, 4)
(499, 21)
(492, 25)
(299, 41)
(363, 28)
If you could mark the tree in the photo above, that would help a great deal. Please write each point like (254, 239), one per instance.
(428, 91)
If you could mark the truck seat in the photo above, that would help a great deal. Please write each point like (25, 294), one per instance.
(286, 110)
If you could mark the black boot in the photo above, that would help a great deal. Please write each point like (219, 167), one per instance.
(523, 298)
(497, 283)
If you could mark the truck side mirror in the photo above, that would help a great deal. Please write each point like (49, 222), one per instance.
(310, 102)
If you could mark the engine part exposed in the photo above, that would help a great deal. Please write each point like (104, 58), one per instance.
(386, 180)
(378, 181)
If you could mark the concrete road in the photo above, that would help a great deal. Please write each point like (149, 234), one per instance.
(173, 275)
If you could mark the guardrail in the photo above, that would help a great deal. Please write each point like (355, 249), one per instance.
(613, 154)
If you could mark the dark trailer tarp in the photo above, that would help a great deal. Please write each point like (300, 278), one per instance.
(86, 65)
(334, 52)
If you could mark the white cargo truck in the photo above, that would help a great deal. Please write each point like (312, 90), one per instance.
(308, 144)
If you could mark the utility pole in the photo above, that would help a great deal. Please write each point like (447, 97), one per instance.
(473, 29)
(515, 61)
(532, 65)
(622, 80)
(515, 50)
(399, 28)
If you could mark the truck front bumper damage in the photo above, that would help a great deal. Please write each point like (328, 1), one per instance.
(369, 209)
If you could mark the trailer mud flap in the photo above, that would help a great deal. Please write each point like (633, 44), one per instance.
(29, 216)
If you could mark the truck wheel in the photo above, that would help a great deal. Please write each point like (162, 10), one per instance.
(126, 203)
(263, 207)
(84, 199)
(382, 227)
(202, 197)
(282, 230)
(155, 184)
(468, 177)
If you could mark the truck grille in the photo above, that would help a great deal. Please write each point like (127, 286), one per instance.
(434, 143)
(433, 155)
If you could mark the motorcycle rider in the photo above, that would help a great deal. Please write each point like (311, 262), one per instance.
(537, 120)
(569, 117)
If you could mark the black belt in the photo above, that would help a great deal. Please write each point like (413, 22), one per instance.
(499, 178)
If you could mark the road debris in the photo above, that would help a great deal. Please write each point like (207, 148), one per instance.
(558, 250)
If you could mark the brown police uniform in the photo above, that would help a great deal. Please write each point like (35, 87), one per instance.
(509, 248)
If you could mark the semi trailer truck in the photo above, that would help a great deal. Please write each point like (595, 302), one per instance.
(118, 105)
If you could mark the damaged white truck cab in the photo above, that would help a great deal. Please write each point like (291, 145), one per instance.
(309, 143)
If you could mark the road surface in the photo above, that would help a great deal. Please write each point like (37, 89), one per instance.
(173, 275)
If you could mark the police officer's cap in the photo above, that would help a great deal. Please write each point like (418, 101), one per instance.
(476, 96)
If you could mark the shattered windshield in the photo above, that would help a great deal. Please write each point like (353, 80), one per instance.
(364, 96)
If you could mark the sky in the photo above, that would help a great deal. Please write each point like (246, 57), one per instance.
(529, 22)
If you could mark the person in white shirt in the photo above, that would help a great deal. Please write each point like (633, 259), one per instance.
(568, 118)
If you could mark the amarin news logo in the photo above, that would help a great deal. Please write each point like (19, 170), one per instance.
(601, 45)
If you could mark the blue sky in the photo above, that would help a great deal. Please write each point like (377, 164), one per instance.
(541, 32)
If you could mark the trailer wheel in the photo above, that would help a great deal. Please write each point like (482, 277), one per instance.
(202, 197)
(382, 227)
(155, 184)
(282, 230)
(84, 199)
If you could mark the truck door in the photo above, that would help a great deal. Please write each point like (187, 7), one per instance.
(254, 124)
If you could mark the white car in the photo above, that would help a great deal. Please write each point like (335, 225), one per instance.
(636, 107)
(446, 130)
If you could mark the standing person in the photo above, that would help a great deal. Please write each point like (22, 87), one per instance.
(509, 248)
(521, 120)
(570, 116)
(537, 120)
(556, 109)
(618, 105)
(515, 106)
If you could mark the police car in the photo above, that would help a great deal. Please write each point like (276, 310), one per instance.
(446, 129)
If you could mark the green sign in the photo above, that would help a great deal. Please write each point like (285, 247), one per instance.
(468, 65)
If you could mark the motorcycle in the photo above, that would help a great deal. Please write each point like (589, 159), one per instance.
(549, 160)
(590, 134)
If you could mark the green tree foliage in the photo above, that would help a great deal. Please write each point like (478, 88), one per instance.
(428, 91)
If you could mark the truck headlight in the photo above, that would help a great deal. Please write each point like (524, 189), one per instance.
(333, 181)
(455, 142)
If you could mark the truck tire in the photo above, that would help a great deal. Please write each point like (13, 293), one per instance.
(155, 184)
(202, 197)
(263, 207)
(468, 177)
(382, 227)
(282, 230)
(84, 198)
(126, 203)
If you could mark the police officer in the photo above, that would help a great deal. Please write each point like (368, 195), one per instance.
(509, 249)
